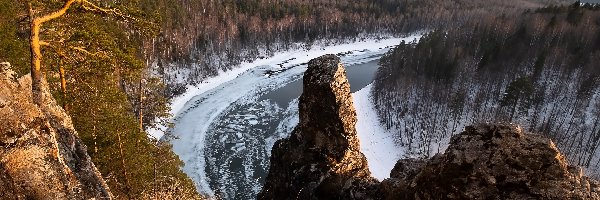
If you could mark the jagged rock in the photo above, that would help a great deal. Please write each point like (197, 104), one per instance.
(322, 158)
(41, 156)
(407, 169)
(491, 161)
(6, 72)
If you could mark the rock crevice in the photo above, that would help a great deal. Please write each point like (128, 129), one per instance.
(322, 158)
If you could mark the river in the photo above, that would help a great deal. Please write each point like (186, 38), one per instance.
(224, 133)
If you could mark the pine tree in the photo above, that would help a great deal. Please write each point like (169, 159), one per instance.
(93, 56)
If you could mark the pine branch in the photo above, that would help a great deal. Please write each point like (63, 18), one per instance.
(81, 49)
(55, 14)
(89, 6)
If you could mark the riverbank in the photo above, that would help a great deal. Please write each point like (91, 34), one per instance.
(211, 101)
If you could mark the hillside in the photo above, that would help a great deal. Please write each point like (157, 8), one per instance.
(322, 159)
(538, 69)
(114, 67)
(199, 39)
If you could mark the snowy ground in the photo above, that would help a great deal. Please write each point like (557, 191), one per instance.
(375, 141)
(223, 133)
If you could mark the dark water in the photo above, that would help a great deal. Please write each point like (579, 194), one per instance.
(359, 76)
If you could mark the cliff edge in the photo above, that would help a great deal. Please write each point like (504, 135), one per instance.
(491, 161)
(41, 156)
(322, 158)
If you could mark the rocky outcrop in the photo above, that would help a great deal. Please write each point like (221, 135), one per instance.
(41, 156)
(490, 161)
(322, 159)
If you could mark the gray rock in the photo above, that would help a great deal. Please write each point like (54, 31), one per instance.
(497, 161)
(6, 72)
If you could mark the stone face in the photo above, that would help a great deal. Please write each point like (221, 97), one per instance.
(327, 115)
(41, 156)
(322, 159)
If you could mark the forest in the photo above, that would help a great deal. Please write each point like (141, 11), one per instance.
(95, 70)
(194, 45)
(114, 65)
(537, 68)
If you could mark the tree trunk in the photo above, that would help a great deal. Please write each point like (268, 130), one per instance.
(94, 138)
(140, 104)
(154, 185)
(63, 86)
(123, 164)
(35, 23)
(36, 58)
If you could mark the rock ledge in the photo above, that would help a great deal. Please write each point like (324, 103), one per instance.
(491, 161)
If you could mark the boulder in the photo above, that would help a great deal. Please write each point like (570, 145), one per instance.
(498, 161)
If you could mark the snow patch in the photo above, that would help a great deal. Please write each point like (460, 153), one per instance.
(376, 143)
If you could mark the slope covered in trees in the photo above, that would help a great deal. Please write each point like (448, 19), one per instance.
(537, 68)
(114, 72)
(201, 38)
(91, 56)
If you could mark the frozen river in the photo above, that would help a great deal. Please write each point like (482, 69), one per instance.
(225, 127)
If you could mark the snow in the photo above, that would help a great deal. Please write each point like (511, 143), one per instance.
(372, 45)
(303, 56)
(376, 143)
(203, 104)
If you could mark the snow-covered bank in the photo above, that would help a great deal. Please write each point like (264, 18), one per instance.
(196, 110)
(375, 141)
(302, 56)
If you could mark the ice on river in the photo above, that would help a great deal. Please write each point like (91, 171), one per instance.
(207, 109)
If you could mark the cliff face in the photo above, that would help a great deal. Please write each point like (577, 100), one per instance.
(41, 156)
(322, 159)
